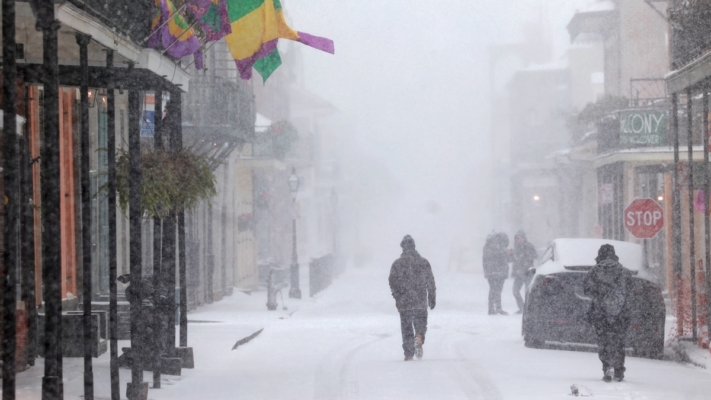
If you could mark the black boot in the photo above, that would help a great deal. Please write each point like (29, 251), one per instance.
(619, 374)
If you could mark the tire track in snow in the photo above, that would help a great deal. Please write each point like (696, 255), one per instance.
(337, 375)
(469, 374)
(331, 385)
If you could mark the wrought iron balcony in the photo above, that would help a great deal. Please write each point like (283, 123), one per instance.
(127, 17)
(218, 115)
(691, 30)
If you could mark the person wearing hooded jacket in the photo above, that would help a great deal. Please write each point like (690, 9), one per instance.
(495, 260)
(524, 254)
(608, 284)
(413, 287)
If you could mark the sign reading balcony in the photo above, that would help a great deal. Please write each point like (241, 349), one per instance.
(643, 128)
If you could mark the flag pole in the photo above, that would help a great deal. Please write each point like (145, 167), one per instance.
(163, 24)
(204, 50)
(178, 38)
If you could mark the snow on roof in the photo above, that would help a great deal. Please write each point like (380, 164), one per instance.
(557, 153)
(262, 123)
(605, 5)
(588, 135)
(552, 66)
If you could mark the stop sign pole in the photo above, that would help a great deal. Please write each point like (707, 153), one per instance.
(644, 218)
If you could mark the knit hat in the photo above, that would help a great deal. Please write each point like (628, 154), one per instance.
(607, 251)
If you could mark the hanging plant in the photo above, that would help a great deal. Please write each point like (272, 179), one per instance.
(282, 135)
(168, 181)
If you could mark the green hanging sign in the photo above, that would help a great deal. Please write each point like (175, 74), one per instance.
(643, 128)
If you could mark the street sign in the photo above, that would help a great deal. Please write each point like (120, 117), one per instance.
(644, 218)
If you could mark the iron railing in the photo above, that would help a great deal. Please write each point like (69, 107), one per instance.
(690, 30)
(128, 17)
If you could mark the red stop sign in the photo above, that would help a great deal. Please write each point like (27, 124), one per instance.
(644, 218)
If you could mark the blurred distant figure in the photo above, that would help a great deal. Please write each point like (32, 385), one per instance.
(413, 287)
(608, 284)
(524, 254)
(496, 269)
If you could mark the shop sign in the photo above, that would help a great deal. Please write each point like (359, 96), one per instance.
(643, 128)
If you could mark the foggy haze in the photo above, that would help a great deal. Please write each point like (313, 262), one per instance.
(480, 199)
(411, 82)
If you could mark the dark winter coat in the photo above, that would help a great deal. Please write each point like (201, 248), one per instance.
(524, 255)
(495, 260)
(412, 283)
(609, 284)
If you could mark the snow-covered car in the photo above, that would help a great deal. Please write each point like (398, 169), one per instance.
(555, 311)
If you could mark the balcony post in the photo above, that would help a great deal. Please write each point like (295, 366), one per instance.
(136, 389)
(111, 200)
(83, 42)
(676, 216)
(52, 386)
(690, 188)
(12, 200)
(707, 205)
(157, 235)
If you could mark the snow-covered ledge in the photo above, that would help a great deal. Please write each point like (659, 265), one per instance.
(690, 74)
(80, 21)
(162, 66)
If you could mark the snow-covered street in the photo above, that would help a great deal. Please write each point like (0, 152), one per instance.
(345, 344)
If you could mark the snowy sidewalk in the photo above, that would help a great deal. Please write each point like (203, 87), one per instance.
(345, 344)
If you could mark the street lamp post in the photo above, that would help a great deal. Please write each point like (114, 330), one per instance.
(294, 291)
(334, 208)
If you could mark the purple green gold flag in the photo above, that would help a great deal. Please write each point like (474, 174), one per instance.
(212, 16)
(176, 37)
(256, 27)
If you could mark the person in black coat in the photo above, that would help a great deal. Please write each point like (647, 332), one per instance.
(524, 254)
(608, 284)
(413, 287)
(496, 269)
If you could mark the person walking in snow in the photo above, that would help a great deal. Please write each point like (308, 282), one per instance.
(413, 287)
(496, 269)
(608, 284)
(524, 254)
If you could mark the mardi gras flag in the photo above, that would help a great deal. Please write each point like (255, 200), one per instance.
(176, 36)
(212, 17)
(256, 27)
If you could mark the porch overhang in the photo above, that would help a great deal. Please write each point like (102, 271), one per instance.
(690, 75)
(648, 155)
(100, 77)
(126, 51)
(261, 163)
